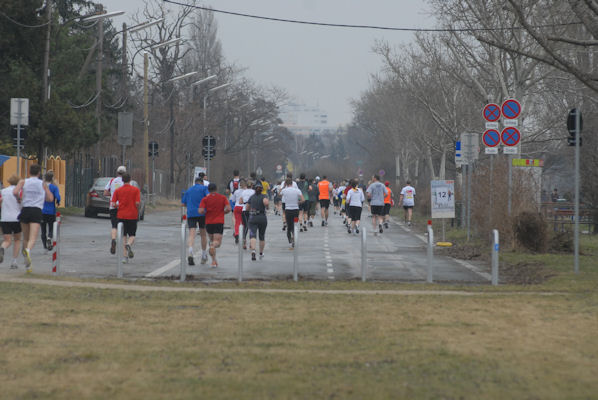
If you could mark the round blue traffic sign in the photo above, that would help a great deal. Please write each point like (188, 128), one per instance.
(510, 136)
(491, 112)
(491, 138)
(511, 109)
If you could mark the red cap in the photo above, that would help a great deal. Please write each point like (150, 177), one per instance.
(429, 222)
(387, 183)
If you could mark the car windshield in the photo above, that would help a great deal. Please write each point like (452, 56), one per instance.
(102, 182)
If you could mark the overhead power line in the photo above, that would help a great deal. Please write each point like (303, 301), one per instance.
(385, 28)
(21, 24)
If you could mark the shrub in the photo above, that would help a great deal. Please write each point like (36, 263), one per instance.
(530, 231)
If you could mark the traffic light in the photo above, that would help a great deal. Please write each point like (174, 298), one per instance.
(153, 149)
(572, 121)
(206, 156)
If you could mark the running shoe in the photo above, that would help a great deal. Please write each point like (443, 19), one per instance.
(214, 264)
(14, 265)
(50, 247)
(386, 225)
(236, 239)
(356, 230)
(284, 227)
(204, 258)
(253, 256)
(1, 254)
(261, 256)
(323, 223)
(27, 260)
(301, 229)
(409, 223)
(130, 253)
(49, 243)
(305, 227)
(244, 245)
(311, 224)
(349, 230)
(190, 260)
(380, 228)
(113, 246)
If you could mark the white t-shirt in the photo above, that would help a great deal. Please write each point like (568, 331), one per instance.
(10, 206)
(355, 198)
(408, 193)
(112, 185)
(34, 194)
(237, 197)
(247, 193)
(291, 197)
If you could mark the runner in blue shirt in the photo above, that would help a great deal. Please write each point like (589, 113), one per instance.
(191, 199)
(49, 211)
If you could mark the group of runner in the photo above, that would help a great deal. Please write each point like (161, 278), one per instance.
(296, 201)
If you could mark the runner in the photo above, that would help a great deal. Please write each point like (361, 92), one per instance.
(127, 200)
(325, 190)
(214, 206)
(11, 228)
(291, 198)
(347, 219)
(376, 192)
(238, 208)
(282, 186)
(33, 192)
(304, 186)
(339, 195)
(258, 204)
(109, 190)
(191, 200)
(247, 193)
(232, 187)
(49, 211)
(407, 199)
(313, 195)
(277, 198)
(388, 201)
(354, 201)
(265, 187)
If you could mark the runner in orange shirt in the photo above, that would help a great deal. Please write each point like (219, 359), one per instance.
(325, 189)
(387, 203)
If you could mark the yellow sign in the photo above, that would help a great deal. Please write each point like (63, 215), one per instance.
(527, 162)
(289, 166)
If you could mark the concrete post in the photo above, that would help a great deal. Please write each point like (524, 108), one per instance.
(296, 250)
(183, 265)
(119, 250)
(364, 254)
(240, 250)
(430, 254)
(495, 249)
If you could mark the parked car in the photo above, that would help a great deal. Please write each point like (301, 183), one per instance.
(96, 203)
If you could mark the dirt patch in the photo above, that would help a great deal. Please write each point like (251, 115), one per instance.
(525, 273)
(466, 251)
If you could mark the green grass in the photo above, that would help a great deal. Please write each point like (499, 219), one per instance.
(71, 211)
(90, 343)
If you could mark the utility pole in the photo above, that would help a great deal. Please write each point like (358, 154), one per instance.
(125, 79)
(99, 87)
(146, 119)
(46, 70)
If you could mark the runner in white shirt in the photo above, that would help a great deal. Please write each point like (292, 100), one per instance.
(32, 192)
(109, 190)
(282, 186)
(11, 228)
(237, 199)
(291, 198)
(407, 198)
(354, 206)
(247, 193)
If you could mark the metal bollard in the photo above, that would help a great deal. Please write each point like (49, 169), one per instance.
(430, 254)
(183, 264)
(57, 245)
(495, 249)
(296, 250)
(119, 250)
(240, 249)
(55, 267)
(364, 254)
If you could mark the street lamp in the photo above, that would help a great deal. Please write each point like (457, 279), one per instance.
(95, 17)
(146, 106)
(205, 105)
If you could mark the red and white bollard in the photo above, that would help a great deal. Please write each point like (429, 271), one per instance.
(55, 245)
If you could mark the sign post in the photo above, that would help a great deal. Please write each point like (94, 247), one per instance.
(574, 126)
(19, 116)
(443, 201)
(511, 109)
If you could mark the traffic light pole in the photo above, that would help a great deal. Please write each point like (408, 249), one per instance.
(577, 156)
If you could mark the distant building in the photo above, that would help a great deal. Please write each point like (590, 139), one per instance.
(305, 120)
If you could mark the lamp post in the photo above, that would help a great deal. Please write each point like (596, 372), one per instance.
(205, 105)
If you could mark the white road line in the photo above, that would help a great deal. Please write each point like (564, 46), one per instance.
(163, 269)
(473, 269)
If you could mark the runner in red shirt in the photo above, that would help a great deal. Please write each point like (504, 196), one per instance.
(127, 200)
(214, 205)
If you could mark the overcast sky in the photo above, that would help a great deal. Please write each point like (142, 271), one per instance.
(316, 65)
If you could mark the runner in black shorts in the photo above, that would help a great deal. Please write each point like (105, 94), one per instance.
(258, 203)
(215, 229)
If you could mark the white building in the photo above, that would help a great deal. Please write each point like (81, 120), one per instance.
(301, 119)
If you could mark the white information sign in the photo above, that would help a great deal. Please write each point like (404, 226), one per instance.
(510, 122)
(198, 170)
(443, 199)
(511, 150)
(491, 150)
(19, 111)
(491, 125)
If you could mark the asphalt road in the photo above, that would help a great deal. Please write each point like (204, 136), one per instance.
(324, 253)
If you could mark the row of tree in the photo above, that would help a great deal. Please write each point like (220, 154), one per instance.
(90, 82)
